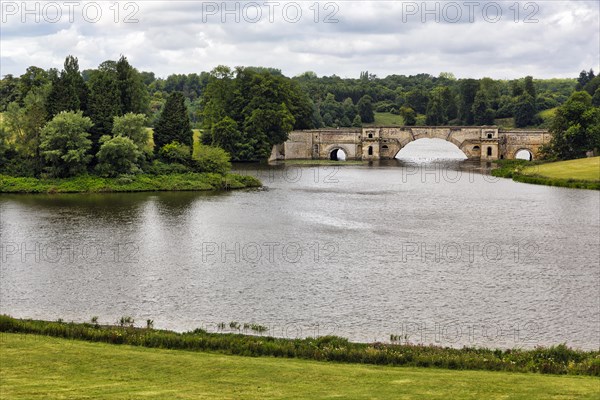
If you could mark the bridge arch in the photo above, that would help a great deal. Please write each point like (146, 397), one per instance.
(332, 152)
(523, 152)
(451, 146)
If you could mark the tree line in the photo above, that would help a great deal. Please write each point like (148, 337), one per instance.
(67, 122)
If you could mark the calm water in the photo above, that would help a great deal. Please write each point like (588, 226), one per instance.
(438, 253)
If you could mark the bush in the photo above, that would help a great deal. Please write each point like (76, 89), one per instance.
(118, 155)
(175, 152)
(212, 159)
(160, 168)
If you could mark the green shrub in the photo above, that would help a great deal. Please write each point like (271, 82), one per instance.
(118, 155)
(212, 159)
(175, 152)
(160, 168)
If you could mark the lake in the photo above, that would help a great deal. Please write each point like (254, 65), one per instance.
(436, 252)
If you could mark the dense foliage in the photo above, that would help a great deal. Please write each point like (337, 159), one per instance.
(249, 110)
(65, 144)
(62, 124)
(576, 128)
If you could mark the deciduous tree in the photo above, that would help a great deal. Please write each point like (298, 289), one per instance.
(65, 144)
(575, 128)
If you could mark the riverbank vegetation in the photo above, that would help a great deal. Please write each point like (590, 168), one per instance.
(554, 360)
(128, 183)
(40, 367)
(575, 130)
(69, 134)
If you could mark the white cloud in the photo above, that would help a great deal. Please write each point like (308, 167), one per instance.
(379, 36)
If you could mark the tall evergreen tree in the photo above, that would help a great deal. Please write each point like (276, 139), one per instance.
(365, 109)
(104, 104)
(173, 123)
(133, 91)
(69, 92)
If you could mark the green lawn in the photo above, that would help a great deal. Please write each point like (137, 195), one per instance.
(387, 119)
(40, 367)
(587, 169)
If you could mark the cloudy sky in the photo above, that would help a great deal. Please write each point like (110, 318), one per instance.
(501, 39)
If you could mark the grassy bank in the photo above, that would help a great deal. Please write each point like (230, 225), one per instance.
(129, 183)
(554, 360)
(38, 367)
(582, 173)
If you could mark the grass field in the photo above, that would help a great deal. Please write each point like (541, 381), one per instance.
(586, 169)
(40, 367)
(387, 119)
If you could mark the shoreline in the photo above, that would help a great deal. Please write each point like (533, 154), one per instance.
(128, 184)
(557, 360)
(513, 169)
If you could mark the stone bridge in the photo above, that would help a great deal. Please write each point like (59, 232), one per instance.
(383, 143)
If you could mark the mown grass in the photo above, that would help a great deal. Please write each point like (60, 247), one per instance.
(38, 367)
(586, 169)
(553, 360)
(128, 183)
(582, 173)
(387, 119)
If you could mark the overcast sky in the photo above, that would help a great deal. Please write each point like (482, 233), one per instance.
(470, 39)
